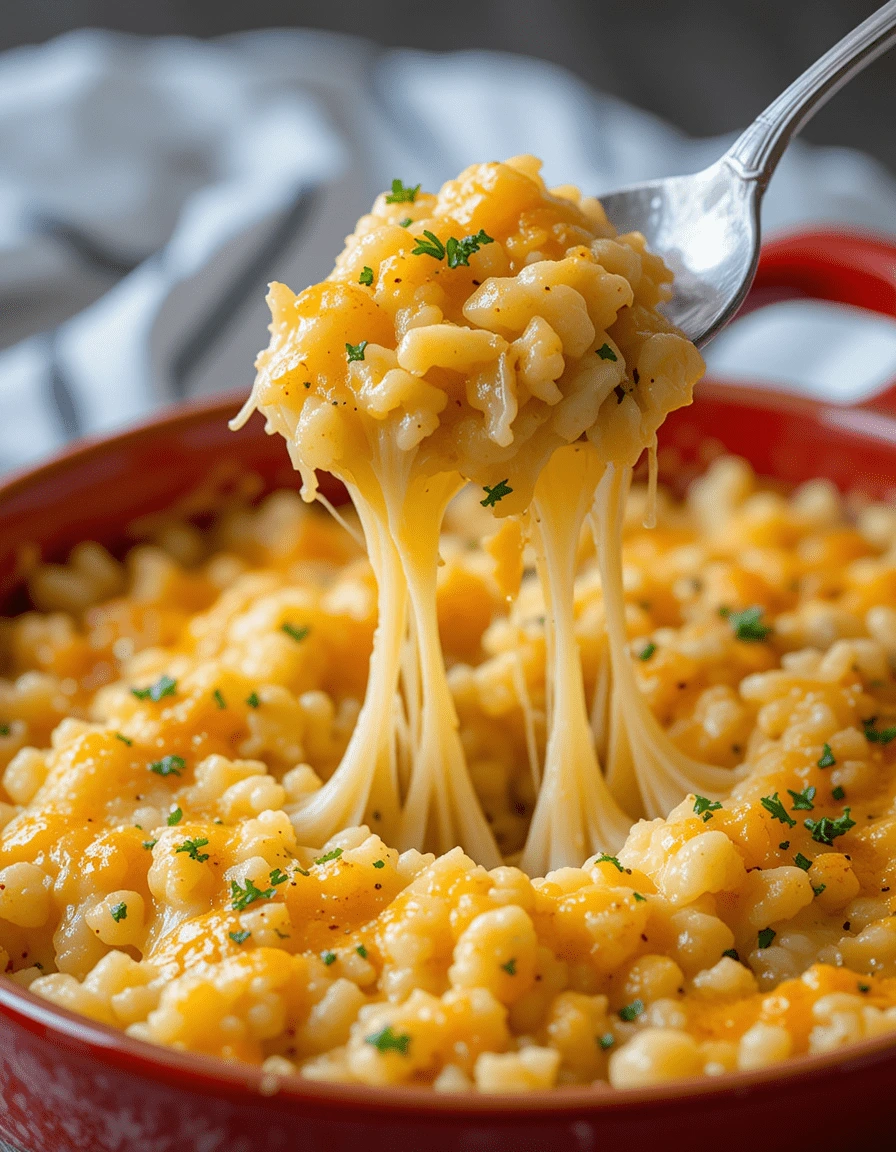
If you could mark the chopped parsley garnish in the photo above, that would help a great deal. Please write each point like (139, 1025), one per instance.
(366, 277)
(631, 1011)
(647, 651)
(379, 863)
(766, 936)
(328, 958)
(802, 801)
(4, 729)
(638, 897)
(362, 951)
(168, 766)
(164, 686)
(429, 245)
(837, 793)
(747, 625)
(510, 966)
(404, 223)
(386, 1041)
(191, 847)
(827, 757)
(773, 805)
(242, 897)
(301, 871)
(297, 633)
(355, 351)
(784, 845)
(277, 877)
(802, 861)
(494, 494)
(606, 353)
(252, 700)
(732, 954)
(460, 251)
(604, 858)
(826, 830)
(864, 987)
(239, 937)
(123, 739)
(402, 195)
(149, 844)
(705, 807)
(878, 735)
(175, 817)
(334, 854)
(119, 912)
(606, 1041)
(818, 888)
(219, 699)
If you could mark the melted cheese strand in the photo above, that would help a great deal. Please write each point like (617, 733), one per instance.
(575, 814)
(664, 774)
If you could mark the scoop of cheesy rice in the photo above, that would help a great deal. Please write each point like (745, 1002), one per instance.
(165, 717)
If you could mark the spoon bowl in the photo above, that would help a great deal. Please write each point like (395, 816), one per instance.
(707, 226)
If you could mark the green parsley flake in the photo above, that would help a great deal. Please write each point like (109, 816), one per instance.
(802, 801)
(826, 830)
(864, 987)
(605, 859)
(328, 856)
(818, 889)
(606, 1041)
(386, 1041)
(362, 951)
(402, 195)
(175, 817)
(123, 739)
(164, 686)
(837, 793)
(404, 223)
(784, 845)
(366, 277)
(252, 700)
(827, 757)
(239, 937)
(149, 844)
(297, 633)
(638, 897)
(732, 954)
(379, 863)
(878, 736)
(705, 807)
(191, 847)
(802, 861)
(4, 729)
(747, 625)
(355, 351)
(631, 1011)
(119, 912)
(429, 245)
(328, 958)
(460, 251)
(510, 966)
(647, 651)
(606, 353)
(219, 699)
(242, 896)
(773, 805)
(168, 766)
(277, 877)
(493, 495)
(766, 936)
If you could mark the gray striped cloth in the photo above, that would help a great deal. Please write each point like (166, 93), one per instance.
(149, 189)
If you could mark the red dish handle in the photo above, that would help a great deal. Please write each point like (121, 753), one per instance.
(845, 266)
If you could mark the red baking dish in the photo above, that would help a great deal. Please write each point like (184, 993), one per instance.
(67, 1085)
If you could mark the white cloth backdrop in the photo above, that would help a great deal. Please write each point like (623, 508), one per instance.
(150, 188)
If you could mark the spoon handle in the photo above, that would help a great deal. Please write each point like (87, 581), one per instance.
(755, 154)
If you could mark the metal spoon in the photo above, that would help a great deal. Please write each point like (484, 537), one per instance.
(706, 226)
